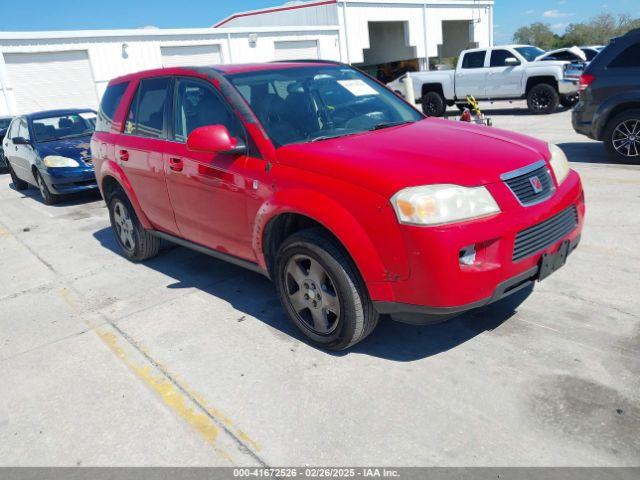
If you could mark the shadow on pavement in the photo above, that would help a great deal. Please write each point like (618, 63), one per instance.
(254, 295)
(64, 200)
(586, 152)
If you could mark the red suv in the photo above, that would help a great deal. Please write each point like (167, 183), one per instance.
(325, 181)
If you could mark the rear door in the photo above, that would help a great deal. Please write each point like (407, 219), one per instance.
(208, 191)
(139, 150)
(504, 81)
(471, 77)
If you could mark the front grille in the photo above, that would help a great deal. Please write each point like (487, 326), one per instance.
(522, 185)
(537, 238)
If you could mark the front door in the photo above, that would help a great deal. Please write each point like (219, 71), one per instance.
(207, 191)
(504, 81)
(139, 151)
(21, 154)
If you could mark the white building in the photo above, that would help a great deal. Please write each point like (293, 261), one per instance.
(43, 70)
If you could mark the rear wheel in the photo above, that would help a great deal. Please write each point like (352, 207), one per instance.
(17, 183)
(542, 99)
(48, 197)
(433, 104)
(622, 137)
(322, 292)
(136, 242)
(569, 101)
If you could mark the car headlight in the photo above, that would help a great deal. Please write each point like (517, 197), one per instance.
(441, 204)
(55, 161)
(559, 163)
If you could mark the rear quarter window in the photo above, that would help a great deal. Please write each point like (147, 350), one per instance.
(110, 101)
(628, 58)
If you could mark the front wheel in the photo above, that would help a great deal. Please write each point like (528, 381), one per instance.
(47, 197)
(433, 104)
(543, 99)
(322, 291)
(136, 242)
(622, 137)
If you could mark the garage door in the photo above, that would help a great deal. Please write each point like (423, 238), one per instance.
(192, 55)
(43, 81)
(297, 50)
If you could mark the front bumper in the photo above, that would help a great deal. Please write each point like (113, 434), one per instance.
(62, 181)
(439, 286)
(568, 86)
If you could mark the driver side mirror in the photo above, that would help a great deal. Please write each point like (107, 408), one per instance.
(215, 139)
(21, 141)
(511, 62)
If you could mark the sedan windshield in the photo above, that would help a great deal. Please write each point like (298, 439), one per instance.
(530, 53)
(4, 123)
(63, 126)
(306, 104)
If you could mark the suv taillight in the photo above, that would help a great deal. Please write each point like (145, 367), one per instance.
(585, 81)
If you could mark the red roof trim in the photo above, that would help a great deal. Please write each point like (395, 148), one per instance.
(275, 9)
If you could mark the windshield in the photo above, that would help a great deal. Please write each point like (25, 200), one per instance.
(4, 123)
(63, 126)
(530, 53)
(306, 104)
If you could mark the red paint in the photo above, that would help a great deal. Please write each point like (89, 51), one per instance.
(271, 10)
(225, 201)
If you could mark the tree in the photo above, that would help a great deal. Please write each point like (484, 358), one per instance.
(538, 34)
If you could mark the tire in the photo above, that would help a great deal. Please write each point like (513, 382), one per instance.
(433, 104)
(622, 137)
(543, 99)
(17, 183)
(136, 243)
(569, 101)
(47, 197)
(322, 291)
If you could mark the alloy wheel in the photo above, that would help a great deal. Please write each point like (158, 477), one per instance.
(312, 294)
(124, 226)
(541, 100)
(626, 138)
(41, 186)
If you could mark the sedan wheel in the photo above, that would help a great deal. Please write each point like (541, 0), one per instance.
(48, 197)
(312, 294)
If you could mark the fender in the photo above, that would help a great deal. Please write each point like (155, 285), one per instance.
(335, 218)
(109, 168)
(603, 114)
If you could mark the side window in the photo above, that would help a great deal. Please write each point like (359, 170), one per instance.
(13, 128)
(498, 57)
(146, 114)
(629, 58)
(110, 101)
(197, 105)
(474, 60)
(23, 130)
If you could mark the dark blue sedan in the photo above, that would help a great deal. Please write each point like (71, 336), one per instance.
(50, 150)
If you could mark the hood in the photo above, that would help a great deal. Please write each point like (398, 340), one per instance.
(575, 50)
(76, 148)
(430, 151)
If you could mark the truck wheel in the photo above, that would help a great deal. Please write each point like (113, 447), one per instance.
(17, 183)
(322, 291)
(569, 101)
(433, 104)
(622, 137)
(48, 197)
(542, 99)
(136, 243)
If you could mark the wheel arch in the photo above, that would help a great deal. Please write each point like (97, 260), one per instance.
(611, 109)
(294, 211)
(537, 80)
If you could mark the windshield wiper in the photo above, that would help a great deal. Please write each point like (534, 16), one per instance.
(329, 137)
(380, 126)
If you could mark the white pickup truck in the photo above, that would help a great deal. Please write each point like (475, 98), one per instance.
(498, 73)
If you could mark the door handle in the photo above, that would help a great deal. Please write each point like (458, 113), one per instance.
(176, 164)
(123, 155)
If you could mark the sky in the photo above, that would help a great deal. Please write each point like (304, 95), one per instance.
(111, 14)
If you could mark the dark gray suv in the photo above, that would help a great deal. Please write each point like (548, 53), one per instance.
(609, 107)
